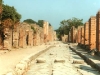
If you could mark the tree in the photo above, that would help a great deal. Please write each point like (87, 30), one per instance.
(30, 21)
(0, 10)
(10, 12)
(40, 23)
(1, 2)
(65, 25)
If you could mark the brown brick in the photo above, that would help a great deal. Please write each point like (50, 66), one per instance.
(82, 35)
(86, 33)
(92, 32)
(98, 31)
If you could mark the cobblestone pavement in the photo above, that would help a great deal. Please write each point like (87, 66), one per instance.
(60, 60)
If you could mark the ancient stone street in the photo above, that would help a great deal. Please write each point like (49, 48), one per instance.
(60, 60)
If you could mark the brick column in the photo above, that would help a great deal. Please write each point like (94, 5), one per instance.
(98, 31)
(92, 32)
(86, 34)
(82, 35)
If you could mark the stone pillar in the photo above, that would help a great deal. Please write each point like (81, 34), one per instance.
(82, 35)
(86, 33)
(45, 30)
(41, 36)
(30, 39)
(7, 38)
(69, 36)
(22, 38)
(79, 35)
(92, 32)
(34, 39)
(73, 35)
(98, 31)
(15, 39)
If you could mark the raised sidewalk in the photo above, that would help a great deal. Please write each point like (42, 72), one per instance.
(93, 61)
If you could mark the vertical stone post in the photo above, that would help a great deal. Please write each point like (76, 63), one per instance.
(82, 36)
(86, 34)
(7, 38)
(45, 28)
(92, 33)
(98, 31)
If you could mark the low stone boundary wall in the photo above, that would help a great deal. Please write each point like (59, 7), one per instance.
(86, 59)
(22, 67)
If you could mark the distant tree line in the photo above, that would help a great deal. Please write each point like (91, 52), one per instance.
(65, 26)
(40, 22)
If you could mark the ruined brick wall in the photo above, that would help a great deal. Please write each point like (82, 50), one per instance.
(22, 35)
(50, 34)
(45, 30)
(79, 34)
(82, 35)
(73, 34)
(92, 32)
(98, 31)
(41, 36)
(15, 35)
(54, 36)
(86, 33)
(65, 38)
(25, 35)
(7, 38)
(7, 33)
(69, 36)
(36, 35)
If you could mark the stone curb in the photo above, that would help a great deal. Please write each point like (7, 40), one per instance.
(22, 67)
(86, 59)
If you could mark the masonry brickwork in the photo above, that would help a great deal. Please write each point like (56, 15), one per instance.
(86, 33)
(98, 31)
(92, 33)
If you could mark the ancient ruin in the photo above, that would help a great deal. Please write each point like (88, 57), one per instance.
(88, 35)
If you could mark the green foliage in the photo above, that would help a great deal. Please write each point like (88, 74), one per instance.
(10, 12)
(67, 24)
(40, 23)
(49, 24)
(1, 2)
(30, 21)
(33, 29)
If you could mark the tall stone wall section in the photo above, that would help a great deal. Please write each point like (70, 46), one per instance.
(82, 35)
(92, 33)
(98, 31)
(73, 34)
(86, 33)
(22, 35)
(45, 29)
(79, 33)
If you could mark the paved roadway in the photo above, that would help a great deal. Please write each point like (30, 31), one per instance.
(60, 60)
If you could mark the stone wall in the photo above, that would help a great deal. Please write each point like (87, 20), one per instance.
(98, 31)
(64, 38)
(23, 35)
(86, 33)
(73, 34)
(92, 33)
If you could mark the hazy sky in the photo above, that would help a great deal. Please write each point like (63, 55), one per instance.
(54, 11)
